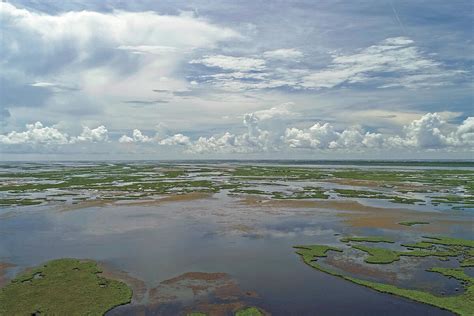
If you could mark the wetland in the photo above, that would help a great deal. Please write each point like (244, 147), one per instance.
(237, 238)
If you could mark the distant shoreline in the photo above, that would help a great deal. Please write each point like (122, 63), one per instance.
(303, 162)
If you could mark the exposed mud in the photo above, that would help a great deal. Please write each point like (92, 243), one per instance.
(3, 271)
(361, 270)
(215, 294)
(138, 286)
(373, 217)
(169, 198)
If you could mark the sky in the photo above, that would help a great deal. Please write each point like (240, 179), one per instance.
(94, 80)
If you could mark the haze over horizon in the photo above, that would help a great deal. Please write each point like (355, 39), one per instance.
(226, 80)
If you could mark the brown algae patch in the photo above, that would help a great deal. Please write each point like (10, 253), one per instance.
(169, 198)
(138, 286)
(3, 271)
(373, 217)
(360, 270)
(192, 196)
(208, 293)
(391, 218)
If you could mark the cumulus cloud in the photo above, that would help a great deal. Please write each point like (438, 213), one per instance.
(265, 132)
(464, 134)
(139, 137)
(38, 134)
(177, 139)
(99, 134)
(35, 134)
(269, 131)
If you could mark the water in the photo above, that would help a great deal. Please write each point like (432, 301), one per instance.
(156, 243)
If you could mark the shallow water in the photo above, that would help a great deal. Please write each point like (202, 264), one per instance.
(156, 243)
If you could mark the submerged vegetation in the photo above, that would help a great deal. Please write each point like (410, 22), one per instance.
(63, 287)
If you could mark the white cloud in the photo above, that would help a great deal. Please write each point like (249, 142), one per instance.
(408, 65)
(35, 134)
(464, 133)
(177, 139)
(148, 49)
(105, 57)
(393, 62)
(231, 62)
(267, 132)
(75, 35)
(137, 137)
(284, 54)
(125, 139)
(96, 135)
(426, 132)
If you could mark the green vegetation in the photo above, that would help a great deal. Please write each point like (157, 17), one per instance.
(385, 256)
(196, 314)
(413, 223)
(122, 181)
(17, 202)
(249, 311)
(63, 287)
(460, 304)
(379, 255)
(420, 244)
(309, 252)
(449, 241)
(367, 239)
(468, 262)
(453, 199)
(250, 191)
(294, 173)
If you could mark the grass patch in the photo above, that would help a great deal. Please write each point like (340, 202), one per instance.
(413, 223)
(449, 241)
(19, 202)
(63, 287)
(379, 255)
(386, 256)
(249, 311)
(367, 239)
(309, 252)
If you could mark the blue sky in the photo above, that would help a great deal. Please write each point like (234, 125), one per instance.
(236, 79)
